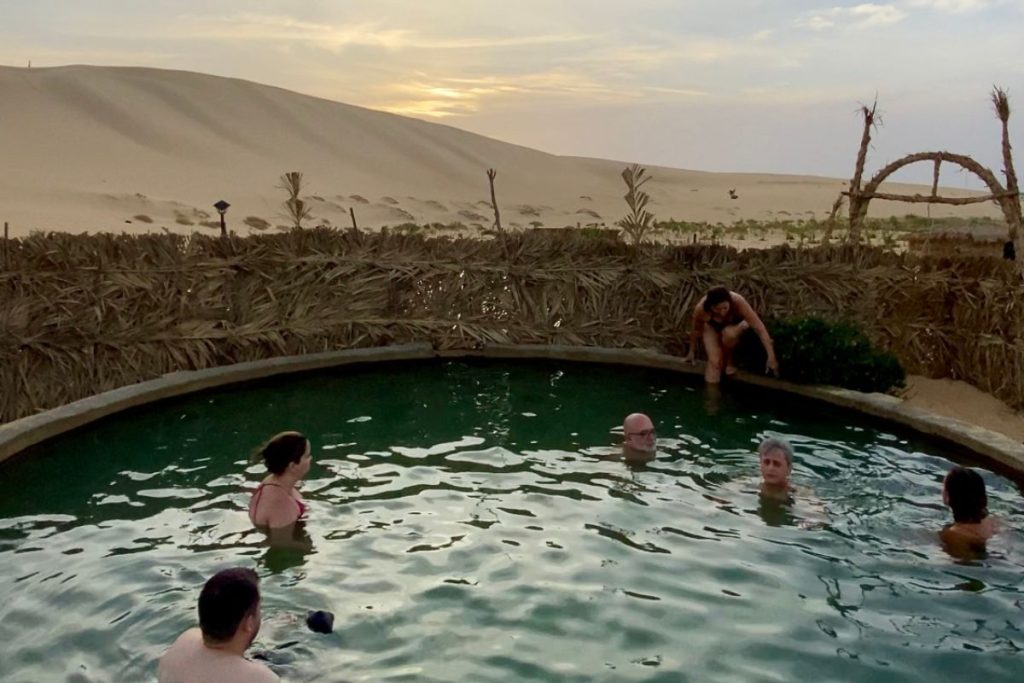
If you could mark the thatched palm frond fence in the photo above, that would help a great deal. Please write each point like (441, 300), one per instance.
(84, 314)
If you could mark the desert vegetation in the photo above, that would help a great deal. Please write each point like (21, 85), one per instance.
(296, 209)
(636, 224)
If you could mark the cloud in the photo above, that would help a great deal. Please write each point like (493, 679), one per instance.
(448, 97)
(282, 28)
(953, 6)
(868, 15)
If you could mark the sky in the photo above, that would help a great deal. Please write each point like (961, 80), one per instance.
(717, 85)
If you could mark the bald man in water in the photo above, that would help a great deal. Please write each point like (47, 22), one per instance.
(639, 440)
(229, 619)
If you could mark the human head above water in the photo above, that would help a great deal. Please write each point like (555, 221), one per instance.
(776, 460)
(714, 299)
(284, 449)
(963, 491)
(638, 433)
(230, 600)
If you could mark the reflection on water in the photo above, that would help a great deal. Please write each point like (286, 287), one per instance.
(466, 524)
(776, 510)
(286, 548)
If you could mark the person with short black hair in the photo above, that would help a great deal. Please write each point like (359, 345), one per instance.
(229, 619)
(963, 491)
(719, 320)
(276, 503)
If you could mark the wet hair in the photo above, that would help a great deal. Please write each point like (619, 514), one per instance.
(769, 445)
(229, 596)
(282, 450)
(965, 490)
(715, 296)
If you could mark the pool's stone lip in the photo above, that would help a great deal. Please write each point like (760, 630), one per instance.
(21, 434)
(28, 431)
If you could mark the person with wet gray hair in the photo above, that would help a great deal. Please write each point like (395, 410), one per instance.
(776, 460)
(771, 444)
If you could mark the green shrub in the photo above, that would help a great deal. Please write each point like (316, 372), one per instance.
(813, 350)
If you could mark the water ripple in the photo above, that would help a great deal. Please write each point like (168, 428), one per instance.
(470, 522)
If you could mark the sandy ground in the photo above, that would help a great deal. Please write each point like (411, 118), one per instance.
(135, 150)
(964, 402)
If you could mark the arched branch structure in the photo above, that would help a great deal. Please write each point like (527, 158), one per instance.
(1008, 197)
(860, 199)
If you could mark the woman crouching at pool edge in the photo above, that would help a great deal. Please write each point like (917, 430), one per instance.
(963, 491)
(276, 503)
(719, 320)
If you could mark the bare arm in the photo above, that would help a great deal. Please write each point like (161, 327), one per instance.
(756, 324)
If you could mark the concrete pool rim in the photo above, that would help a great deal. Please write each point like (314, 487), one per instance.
(19, 435)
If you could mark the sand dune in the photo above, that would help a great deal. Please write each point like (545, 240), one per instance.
(104, 148)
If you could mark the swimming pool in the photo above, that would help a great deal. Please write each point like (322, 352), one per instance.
(468, 524)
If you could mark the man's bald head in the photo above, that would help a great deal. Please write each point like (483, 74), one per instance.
(638, 433)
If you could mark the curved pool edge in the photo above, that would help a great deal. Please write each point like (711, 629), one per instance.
(26, 432)
(19, 435)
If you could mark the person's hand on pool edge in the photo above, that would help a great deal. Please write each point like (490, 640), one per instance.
(771, 366)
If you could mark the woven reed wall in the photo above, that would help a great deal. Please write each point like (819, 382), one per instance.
(84, 314)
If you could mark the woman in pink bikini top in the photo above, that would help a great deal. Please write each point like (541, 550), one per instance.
(275, 503)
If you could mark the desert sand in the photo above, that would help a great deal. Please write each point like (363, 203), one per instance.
(132, 149)
(86, 148)
(964, 402)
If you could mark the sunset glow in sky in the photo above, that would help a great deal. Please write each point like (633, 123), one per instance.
(730, 85)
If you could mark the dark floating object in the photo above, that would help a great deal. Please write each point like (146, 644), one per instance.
(1009, 251)
(733, 195)
(320, 622)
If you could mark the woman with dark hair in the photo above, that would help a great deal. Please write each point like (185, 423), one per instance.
(719, 320)
(275, 503)
(963, 491)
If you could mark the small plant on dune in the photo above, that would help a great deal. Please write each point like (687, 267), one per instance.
(296, 210)
(637, 223)
(888, 241)
(491, 174)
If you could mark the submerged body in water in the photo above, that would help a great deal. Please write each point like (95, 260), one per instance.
(963, 491)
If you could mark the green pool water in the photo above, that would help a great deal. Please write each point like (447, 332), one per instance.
(466, 525)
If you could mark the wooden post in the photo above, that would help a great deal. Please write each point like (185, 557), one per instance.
(857, 207)
(491, 173)
(352, 212)
(7, 258)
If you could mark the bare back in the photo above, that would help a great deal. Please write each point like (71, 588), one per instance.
(189, 660)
